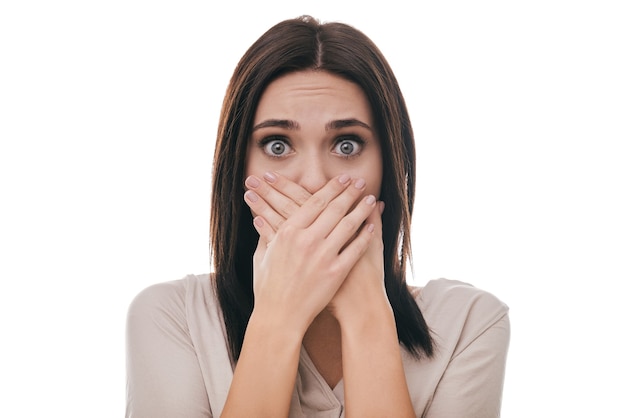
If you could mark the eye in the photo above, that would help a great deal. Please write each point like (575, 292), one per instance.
(275, 147)
(348, 147)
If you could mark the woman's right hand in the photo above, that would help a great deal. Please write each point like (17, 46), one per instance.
(302, 260)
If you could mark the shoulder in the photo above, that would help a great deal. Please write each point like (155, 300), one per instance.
(445, 295)
(164, 374)
(458, 312)
(470, 327)
(167, 299)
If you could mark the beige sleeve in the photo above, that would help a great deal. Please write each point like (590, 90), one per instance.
(163, 374)
(472, 384)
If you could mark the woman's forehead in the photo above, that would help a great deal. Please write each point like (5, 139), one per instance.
(313, 94)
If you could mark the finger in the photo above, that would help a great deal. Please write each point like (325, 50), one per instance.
(340, 206)
(259, 252)
(265, 230)
(284, 203)
(318, 202)
(346, 229)
(375, 219)
(266, 234)
(355, 250)
(261, 208)
(286, 187)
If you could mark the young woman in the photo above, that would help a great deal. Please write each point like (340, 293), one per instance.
(308, 313)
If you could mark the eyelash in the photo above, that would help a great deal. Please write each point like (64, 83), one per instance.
(265, 141)
(357, 139)
(360, 143)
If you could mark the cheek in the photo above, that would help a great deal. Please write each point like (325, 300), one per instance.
(373, 188)
(253, 163)
(373, 172)
(373, 177)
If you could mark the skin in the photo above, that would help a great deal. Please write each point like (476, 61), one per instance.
(314, 173)
(316, 102)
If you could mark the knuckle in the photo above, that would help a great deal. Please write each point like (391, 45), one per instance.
(334, 270)
(287, 231)
(305, 242)
(289, 208)
(318, 201)
(362, 241)
(348, 224)
(337, 208)
(302, 197)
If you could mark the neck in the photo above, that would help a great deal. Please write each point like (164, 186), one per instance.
(322, 342)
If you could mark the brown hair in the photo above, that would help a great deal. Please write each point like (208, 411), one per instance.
(296, 45)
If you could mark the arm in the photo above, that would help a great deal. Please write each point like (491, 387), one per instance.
(297, 270)
(371, 356)
(472, 384)
(266, 371)
(374, 380)
(163, 377)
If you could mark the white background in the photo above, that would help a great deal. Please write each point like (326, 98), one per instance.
(108, 113)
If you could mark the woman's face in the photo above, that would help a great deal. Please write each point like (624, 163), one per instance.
(311, 126)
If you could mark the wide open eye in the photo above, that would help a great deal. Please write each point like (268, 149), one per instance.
(348, 146)
(275, 147)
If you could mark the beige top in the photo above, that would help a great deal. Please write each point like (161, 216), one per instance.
(178, 363)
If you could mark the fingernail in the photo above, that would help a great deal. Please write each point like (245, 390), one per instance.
(370, 200)
(381, 207)
(344, 178)
(252, 182)
(269, 177)
(258, 222)
(370, 227)
(251, 196)
(359, 184)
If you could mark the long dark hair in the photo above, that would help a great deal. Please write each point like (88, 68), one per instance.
(295, 45)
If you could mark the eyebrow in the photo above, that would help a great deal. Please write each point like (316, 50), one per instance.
(293, 125)
(346, 123)
(280, 123)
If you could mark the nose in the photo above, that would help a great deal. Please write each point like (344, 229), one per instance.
(313, 174)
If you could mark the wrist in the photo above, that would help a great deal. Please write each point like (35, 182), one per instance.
(371, 320)
(272, 325)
